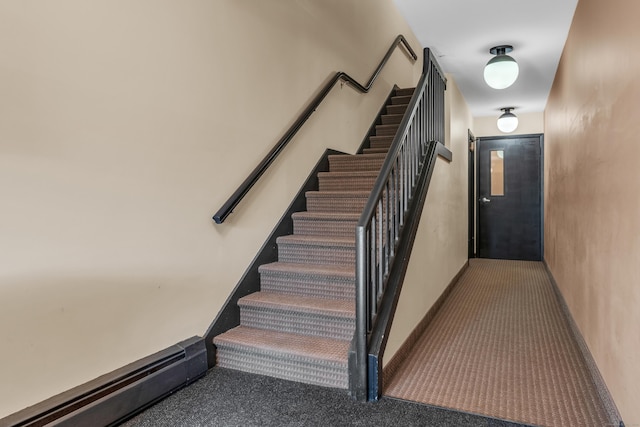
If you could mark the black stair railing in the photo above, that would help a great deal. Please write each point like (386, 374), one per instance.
(381, 224)
(249, 182)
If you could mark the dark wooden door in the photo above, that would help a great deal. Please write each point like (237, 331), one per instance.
(510, 198)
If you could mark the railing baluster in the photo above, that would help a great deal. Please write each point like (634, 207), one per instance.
(392, 195)
(380, 242)
(410, 161)
(386, 229)
(405, 180)
(392, 216)
(401, 189)
(407, 171)
(371, 264)
(394, 207)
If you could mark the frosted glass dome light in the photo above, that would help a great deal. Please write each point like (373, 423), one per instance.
(507, 122)
(502, 70)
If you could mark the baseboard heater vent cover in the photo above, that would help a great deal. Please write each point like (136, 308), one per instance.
(118, 395)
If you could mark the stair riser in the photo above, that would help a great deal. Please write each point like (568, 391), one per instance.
(316, 254)
(397, 100)
(396, 109)
(356, 164)
(331, 228)
(329, 183)
(308, 286)
(375, 150)
(335, 204)
(279, 366)
(296, 322)
(380, 141)
(405, 91)
(384, 130)
(392, 119)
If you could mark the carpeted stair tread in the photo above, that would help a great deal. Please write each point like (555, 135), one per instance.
(355, 162)
(347, 181)
(316, 249)
(313, 360)
(336, 201)
(274, 300)
(337, 194)
(310, 269)
(375, 150)
(390, 129)
(325, 223)
(350, 156)
(286, 344)
(397, 109)
(337, 216)
(311, 280)
(299, 314)
(405, 91)
(403, 99)
(391, 119)
(315, 240)
(349, 174)
(380, 141)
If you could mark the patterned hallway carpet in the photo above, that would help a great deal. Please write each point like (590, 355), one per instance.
(500, 346)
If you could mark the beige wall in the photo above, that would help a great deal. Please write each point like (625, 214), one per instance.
(528, 123)
(123, 127)
(440, 248)
(592, 195)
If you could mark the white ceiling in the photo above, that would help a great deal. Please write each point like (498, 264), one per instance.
(461, 32)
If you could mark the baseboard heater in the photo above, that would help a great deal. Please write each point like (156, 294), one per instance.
(118, 395)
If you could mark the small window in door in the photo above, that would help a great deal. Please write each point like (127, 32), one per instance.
(497, 172)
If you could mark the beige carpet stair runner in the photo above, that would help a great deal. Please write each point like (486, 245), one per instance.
(299, 326)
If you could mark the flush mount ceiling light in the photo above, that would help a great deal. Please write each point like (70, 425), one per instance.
(502, 70)
(507, 122)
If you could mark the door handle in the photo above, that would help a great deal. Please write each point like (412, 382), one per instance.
(484, 200)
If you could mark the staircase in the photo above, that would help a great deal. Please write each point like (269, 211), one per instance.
(300, 325)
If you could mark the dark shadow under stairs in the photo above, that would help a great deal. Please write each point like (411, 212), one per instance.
(300, 325)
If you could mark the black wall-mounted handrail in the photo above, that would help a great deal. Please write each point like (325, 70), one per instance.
(249, 182)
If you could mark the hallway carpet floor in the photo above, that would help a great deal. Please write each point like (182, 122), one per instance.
(500, 346)
(226, 397)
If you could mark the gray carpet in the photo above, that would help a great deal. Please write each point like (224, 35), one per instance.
(226, 397)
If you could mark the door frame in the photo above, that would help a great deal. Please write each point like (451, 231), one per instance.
(472, 194)
(476, 176)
